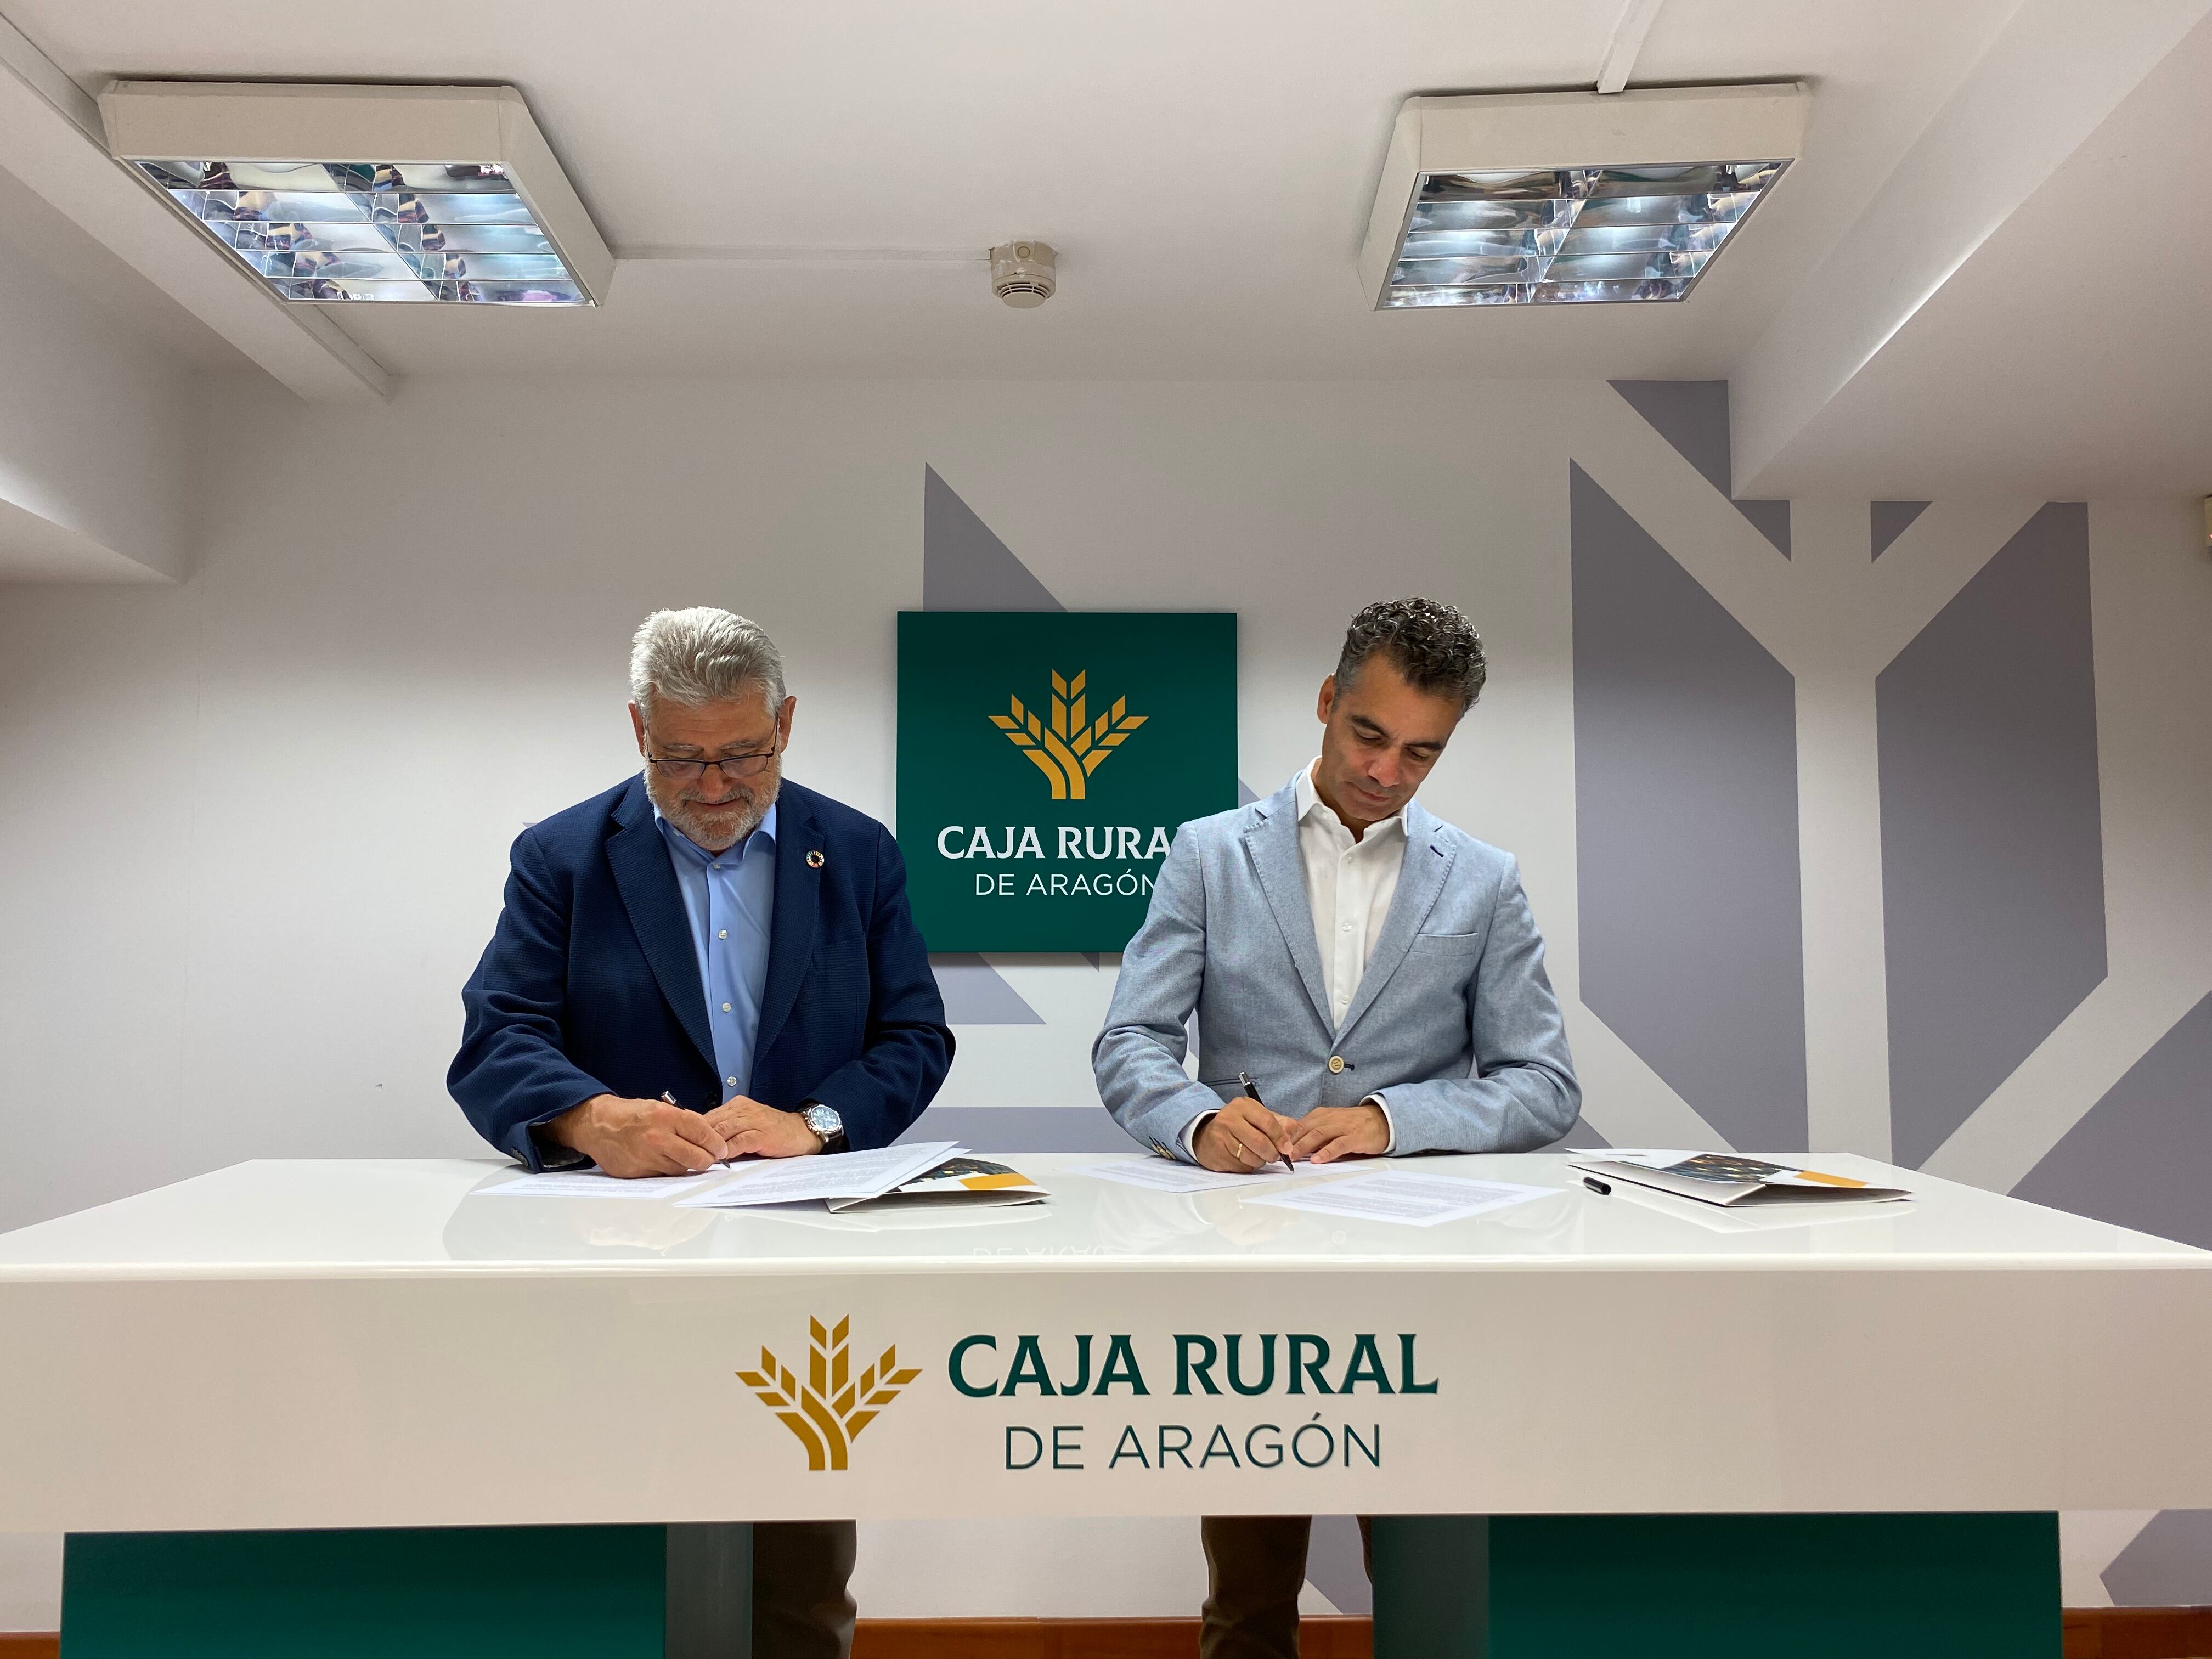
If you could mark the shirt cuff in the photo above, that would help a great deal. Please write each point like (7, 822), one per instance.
(1389, 1122)
(1190, 1133)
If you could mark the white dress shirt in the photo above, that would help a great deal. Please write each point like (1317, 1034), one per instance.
(1349, 887)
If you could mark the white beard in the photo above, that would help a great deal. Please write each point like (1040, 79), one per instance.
(720, 835)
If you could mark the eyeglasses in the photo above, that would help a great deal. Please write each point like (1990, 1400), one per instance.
(732, 766)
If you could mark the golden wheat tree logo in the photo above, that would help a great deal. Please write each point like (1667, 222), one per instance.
(1067, 745)
(827, 1410)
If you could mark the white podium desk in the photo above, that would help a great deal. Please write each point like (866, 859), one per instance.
(366, 1344)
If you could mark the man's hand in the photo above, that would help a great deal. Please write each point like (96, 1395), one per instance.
(1329, 1133)
(1243, 1136)
(639, 1137)
(750, 1129)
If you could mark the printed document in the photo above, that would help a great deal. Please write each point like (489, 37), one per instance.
(1734, 1179)
(962, 1182)
(1400, 1196)
(827, 1175)
(1163, 1176)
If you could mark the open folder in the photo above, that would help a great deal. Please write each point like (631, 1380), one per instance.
(1728, 1179)
(961, 1182)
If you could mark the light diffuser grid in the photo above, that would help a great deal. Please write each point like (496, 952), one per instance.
(333, 231)
(1570, 236)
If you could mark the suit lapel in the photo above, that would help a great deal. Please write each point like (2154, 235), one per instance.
(798, 903)
(646, 882)
(1421, 876)
(1273, 846)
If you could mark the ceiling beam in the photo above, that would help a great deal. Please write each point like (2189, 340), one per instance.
(2048, 80)
(50, 138)
(1627, 43)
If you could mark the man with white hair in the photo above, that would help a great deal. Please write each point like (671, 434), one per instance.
(708, 962)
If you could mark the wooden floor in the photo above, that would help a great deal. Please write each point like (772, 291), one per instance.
(2091, 1633)
(1081, 1638)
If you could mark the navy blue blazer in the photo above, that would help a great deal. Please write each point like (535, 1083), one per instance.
(590, 985)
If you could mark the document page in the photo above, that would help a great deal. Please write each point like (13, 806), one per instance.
(593, 1183)
(1163, 1176)
(829, 1174)
(1399, 1195)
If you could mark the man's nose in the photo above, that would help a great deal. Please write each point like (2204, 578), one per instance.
(1384, 775)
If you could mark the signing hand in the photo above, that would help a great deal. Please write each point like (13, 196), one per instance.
(1243, 1136)
(1329, 1133)
(639, 1137)
(752, 1130)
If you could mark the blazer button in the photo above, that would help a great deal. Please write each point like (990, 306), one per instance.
(1336, 1062)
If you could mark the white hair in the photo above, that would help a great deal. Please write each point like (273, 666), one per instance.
(699, 656)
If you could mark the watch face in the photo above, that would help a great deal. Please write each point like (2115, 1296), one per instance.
(824, 1122)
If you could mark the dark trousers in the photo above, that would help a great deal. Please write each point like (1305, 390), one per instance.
(801, 1608)
(1255, 1565)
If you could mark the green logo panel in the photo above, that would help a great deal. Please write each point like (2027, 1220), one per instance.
(1045, 759)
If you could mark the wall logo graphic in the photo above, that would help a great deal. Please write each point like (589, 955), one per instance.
(827, 1410)
(1067, 747)
(1129, 718)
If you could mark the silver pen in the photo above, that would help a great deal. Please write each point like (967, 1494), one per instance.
(1252, 1093)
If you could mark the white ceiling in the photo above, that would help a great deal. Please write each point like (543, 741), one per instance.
(1206, 171)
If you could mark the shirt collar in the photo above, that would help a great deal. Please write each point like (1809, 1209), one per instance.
(765, 830)
(1310, 803)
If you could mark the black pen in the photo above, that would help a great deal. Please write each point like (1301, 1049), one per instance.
(1252, 1093)
(1597, 1186)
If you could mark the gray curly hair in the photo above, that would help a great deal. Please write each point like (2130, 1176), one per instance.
(699, 656)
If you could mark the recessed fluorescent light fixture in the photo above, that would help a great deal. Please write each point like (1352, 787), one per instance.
(1571, 198)
(332, 194)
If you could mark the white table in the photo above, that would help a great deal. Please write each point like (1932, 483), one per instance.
(372, 1344)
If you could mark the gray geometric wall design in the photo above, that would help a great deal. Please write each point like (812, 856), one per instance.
(1686, 822)
(2142, 1157)
(1993, 880)
(2168, 1565)
(1887, 521)
(1693, 416)
(966, 568)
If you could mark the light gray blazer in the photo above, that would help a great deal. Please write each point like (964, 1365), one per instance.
(1454, 1025)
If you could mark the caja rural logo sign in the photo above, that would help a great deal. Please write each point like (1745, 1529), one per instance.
(1239, 1401)
(1068, 748)
(994, 862)
(829, 1408)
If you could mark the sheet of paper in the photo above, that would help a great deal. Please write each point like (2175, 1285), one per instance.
(832, 1175)
(591, 1183)
(1400, 1196)
(1163, 1176)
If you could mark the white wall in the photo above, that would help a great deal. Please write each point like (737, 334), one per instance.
(255, 824)
(94, 427)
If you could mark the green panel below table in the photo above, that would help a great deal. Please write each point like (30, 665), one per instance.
(1716, 1586)
(431, 1593)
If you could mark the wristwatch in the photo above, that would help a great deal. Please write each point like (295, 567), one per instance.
(825, 1122)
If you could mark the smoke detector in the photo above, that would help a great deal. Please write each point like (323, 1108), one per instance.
(1022, 273)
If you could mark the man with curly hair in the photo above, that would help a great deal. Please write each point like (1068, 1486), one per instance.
(1375, 970)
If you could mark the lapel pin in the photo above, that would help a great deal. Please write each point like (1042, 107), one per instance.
(814, 858)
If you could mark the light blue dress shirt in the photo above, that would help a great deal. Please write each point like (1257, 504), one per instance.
(730, 898)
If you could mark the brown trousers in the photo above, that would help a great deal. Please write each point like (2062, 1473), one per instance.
(1255, 1565)
(801, 1608)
